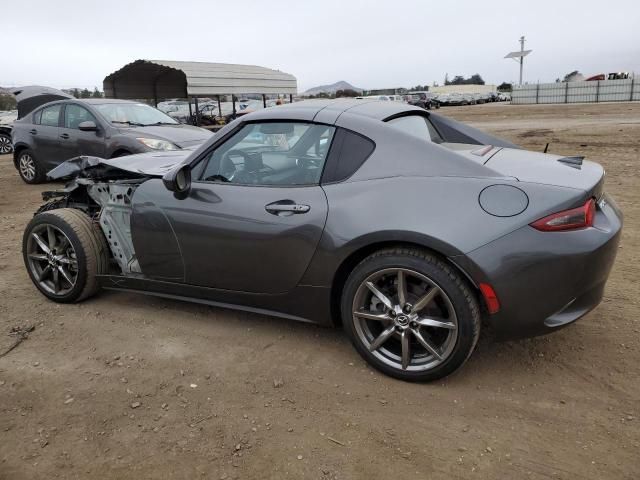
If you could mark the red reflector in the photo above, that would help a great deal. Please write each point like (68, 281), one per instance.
(581, 217)
(490, 298)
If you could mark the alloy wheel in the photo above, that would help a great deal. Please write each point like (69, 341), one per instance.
(405, 319)
(52, 259)
(5, 145)
(27, 167)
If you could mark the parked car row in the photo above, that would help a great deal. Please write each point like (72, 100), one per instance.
(429, 100)
(453, 99)
(209, 112)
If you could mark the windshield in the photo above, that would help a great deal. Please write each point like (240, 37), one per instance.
(133, 114)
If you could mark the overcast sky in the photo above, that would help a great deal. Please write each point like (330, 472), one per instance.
(371, 44)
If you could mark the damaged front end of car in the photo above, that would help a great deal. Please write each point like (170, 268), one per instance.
(103, 189)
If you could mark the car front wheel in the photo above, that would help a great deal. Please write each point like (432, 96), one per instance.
(64, 252)
(410, 315)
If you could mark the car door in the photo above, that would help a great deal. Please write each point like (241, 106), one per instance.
(75, 142)
(252, 219)
(45, 135)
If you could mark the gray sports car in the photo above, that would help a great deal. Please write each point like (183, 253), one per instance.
(405, 227)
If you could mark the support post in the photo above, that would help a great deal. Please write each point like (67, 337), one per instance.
(598, 91)
(630, 94)
(197, 119)
(190, 111)
(537, 92)
(233, 99)
(290, 98)
(264, 100)
(522, 58)
(521, 62)
(566, 92)
(219, 107)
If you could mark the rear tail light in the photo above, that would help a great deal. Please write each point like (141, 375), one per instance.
(576, 218)
(490, 298)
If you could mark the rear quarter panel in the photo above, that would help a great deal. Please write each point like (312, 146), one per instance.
(439, 213)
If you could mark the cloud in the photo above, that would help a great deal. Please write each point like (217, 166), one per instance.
(370, 44)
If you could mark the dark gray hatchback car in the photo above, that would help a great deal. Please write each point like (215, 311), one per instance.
(107, 128)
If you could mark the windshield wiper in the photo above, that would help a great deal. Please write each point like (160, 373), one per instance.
(160, 123)
(127, 122)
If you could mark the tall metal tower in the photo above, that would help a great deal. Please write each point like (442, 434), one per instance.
(518, 56)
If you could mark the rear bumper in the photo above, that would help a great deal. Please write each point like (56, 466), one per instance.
(546, 280)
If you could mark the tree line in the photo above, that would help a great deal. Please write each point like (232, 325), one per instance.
(84, 93)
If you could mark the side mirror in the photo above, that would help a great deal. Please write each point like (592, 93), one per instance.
(178, 180)
(88, 126)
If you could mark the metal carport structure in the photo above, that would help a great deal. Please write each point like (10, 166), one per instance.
(160, 79)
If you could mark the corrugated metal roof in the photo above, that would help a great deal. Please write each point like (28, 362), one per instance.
(169, 79)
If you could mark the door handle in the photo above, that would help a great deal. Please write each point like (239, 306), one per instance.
(286, 207)
(33, 131)
(65, 136)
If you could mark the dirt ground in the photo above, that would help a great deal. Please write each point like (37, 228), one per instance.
(127, 386)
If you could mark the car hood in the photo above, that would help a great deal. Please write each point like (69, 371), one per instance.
(150, 164)
(179, 134)
(31, 97)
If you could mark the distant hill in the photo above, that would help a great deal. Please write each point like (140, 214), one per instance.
(333, 88)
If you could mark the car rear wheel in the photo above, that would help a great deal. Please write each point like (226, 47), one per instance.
(410, 315)
(30, 170)
(64, 252)
(5, 144)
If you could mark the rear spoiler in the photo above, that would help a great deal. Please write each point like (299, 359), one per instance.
(574, 162)
(456, 132)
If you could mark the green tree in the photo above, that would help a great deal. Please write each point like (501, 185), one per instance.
(96, 93)
(85, 93)
(475, 79)
(347, 92)
(505, 87)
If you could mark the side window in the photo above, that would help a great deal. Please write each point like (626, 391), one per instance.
(36, 117)
(271, 154)
(74, 115)
(50, 116)
(418, 126)
(350, 150)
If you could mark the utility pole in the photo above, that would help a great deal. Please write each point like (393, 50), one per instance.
(519, 56)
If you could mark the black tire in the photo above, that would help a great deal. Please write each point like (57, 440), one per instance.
(5, 144)
(89, 246)
(460, 295)
(30, 169)
(121, 153)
